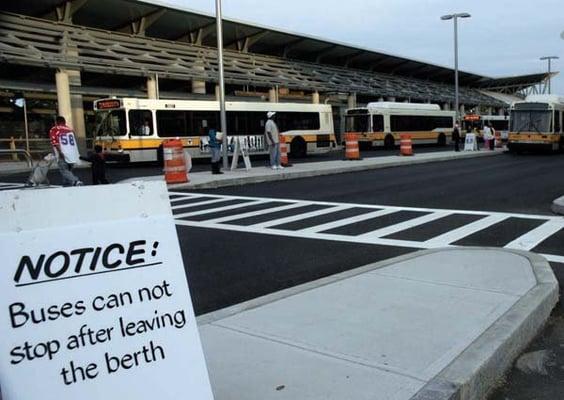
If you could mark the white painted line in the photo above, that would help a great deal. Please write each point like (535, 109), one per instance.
(219, 209)
(371, 206)
(347, 221)
(534, 237)
(553, 258)
(388, 230)
(254, 213)
(200, 203)
(465, 230)
(177, 199)
(298, 217)
(301, 235)
(337, 238)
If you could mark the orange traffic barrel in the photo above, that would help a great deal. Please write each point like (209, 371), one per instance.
(283, 152)
(405, 145)
(174, 161)
(352, 151)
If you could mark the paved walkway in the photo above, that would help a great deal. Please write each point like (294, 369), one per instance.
(433, 325)
(205, 180)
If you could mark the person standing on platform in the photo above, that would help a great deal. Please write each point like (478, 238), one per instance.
(487, 133)
(215, 150)
(65, 149)
(273, 141)
(456, 137)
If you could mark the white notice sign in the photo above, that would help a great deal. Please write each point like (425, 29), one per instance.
(94, 302)
(470, 143)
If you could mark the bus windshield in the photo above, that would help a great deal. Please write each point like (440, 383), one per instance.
(531, 121)
(357, 123)
(110, 123)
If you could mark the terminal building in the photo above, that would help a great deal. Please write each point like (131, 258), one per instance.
(57, 57)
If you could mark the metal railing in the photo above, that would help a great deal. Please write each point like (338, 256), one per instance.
(16, 152)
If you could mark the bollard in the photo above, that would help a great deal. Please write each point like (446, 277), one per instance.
(352, 151)
(174, 162)
(406, 148)
(284, 152)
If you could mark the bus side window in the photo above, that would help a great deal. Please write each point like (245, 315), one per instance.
(377, 123)
(141, 122)
(557, 121)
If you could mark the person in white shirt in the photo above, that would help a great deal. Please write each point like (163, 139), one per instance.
(273, 141)
(487, 134)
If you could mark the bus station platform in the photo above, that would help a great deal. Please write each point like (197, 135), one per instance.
(205, 180)
(437, 324)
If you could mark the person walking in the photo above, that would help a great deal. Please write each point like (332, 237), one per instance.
(487, 133)
(215, 149)
(273, 141)
(456, 137)
(98, 166)
(65, 149)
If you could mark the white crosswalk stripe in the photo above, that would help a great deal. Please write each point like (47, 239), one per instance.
(548, 225)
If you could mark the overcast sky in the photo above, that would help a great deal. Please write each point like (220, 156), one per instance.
(503, 37)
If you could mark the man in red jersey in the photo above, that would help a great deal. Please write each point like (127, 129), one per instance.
(66, 150)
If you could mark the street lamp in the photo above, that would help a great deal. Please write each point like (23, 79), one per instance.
(221, 80)
(549, 59)
(455, 18)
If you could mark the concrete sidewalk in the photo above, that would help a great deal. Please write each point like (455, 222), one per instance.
(558, 206)
(442, 324)
(205, 180)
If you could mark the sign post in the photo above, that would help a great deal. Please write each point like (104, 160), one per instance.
(94, 301)
(240, 148)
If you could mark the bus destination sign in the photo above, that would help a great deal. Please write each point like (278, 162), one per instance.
(108, 104)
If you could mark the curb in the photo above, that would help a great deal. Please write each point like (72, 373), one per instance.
(480, 368)
(287, 175)
(558, 206)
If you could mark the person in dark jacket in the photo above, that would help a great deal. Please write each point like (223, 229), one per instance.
(98, 166)
(215, 149)
(456, 137)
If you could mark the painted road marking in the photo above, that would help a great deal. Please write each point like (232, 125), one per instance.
(550, 225)
(220, 208)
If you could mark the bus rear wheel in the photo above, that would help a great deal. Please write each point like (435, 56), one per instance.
(441, 140)
(298, 148)
(389, 142)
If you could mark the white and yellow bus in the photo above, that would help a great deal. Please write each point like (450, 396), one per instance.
(536, 124)
(133, 130)
(381, 123)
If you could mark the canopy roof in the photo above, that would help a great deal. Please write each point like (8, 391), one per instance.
(181, 25)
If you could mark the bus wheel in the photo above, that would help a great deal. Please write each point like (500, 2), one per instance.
(389, 142)
(441, 141)
(298, 148)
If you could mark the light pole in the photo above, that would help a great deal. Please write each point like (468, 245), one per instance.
(455, 18)
(549, 59)
(221, 80)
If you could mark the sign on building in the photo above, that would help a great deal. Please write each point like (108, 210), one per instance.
(94, 302)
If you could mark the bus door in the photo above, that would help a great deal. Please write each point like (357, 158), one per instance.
(141, 135)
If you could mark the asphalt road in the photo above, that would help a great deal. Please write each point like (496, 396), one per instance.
(227, 267)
